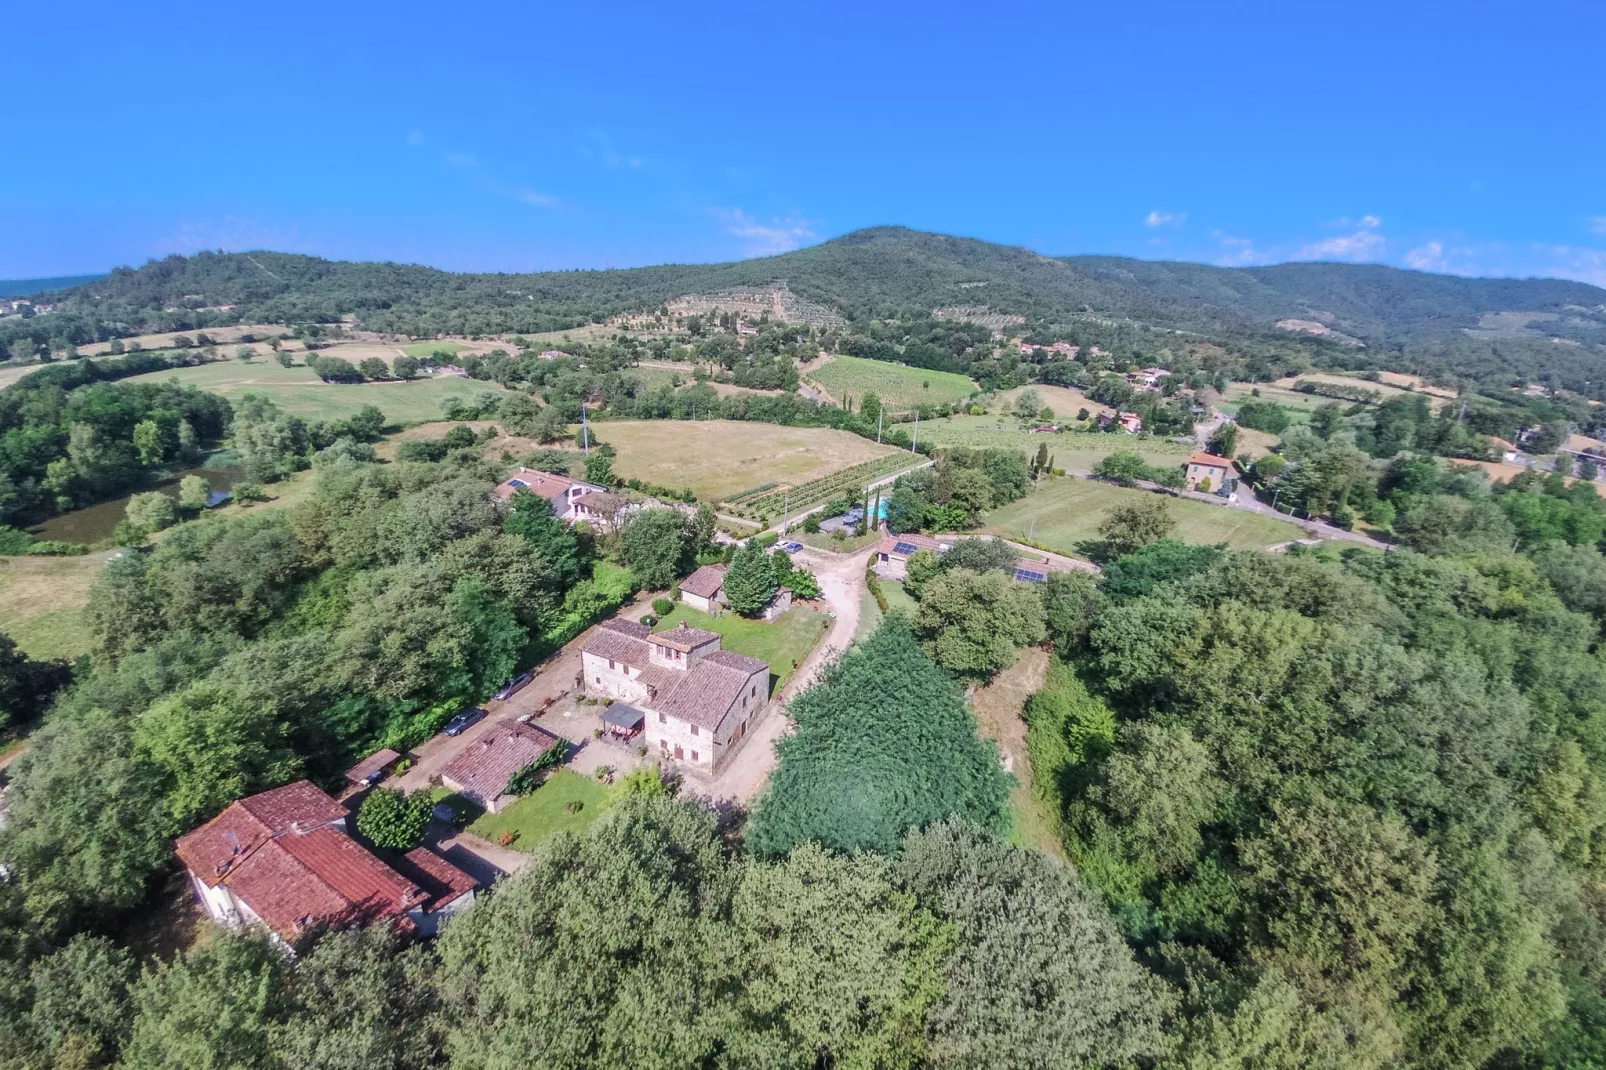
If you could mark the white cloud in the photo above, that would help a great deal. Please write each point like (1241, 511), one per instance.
(766, 239)
(460, 159)
(415, 137)
(1164, 219)
(537, 198)
(1572, 262)
(1364, 243)
(1238, 252)
(1597, 223)
(1429, 257)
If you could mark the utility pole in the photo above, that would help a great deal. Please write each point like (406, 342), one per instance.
(786, 506)
(585, 430)
(914, 445)
(878, 416)
(1274, 498)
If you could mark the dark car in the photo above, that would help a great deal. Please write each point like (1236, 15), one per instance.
(457, 724)
(514, 686)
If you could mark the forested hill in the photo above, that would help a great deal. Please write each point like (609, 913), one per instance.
(1468, 326)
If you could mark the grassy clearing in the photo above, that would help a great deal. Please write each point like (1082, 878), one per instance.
(1065, 512)
(899, 600)
(301, 393)
(847, 545)
(1074, 451)
(998, 708)
(429, 349)
(544, 812)
(42, 603)
(718, 458)
(898, 386)
(1064, 400)
(784, 642)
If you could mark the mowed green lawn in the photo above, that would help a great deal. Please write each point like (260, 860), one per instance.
(544, 812)
(1068, 511)
(1074, 451)
(783, 643)
(898, 386)
(301, 393)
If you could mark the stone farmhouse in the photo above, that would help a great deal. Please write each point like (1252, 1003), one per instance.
(704, 589)
(698, 699)
(284, 861)
(481, 771)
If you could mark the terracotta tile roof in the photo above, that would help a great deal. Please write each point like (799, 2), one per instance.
(710, 687)
(251, 822)
(440, 880)
(684, 638)
(484, 767)
(1209, 460)
(546, 484)
(741, 662)
(374, 763)
(280, 855)
(705, 582)
(619, 640)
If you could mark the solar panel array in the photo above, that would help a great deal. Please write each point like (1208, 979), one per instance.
(905, 548)
(1026, 575)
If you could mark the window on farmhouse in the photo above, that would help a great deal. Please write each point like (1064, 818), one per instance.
(694, 730)
(694, 756)
(662, 719)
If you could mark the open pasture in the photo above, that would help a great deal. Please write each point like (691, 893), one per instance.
(300, 392)
(898, 386)
(718, 458)
(1065, 512)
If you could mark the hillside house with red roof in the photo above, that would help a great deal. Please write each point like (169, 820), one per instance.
(561, 492)
(1208, 472)
(698, 698)
(283, 860)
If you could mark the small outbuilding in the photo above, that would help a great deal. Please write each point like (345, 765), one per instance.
(704, 589)
(481, 772)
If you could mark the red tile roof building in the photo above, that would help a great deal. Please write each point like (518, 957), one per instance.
(481, 770)
(1204, 466)
(283, 859)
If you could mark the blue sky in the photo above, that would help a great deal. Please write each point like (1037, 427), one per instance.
(1466, 137)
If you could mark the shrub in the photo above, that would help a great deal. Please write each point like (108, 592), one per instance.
(390, 819)
(249, 492)
(15, 540)
(662, 606)
(648, 619)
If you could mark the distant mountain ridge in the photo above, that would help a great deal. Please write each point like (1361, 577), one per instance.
(1469, 326)
(33, 287)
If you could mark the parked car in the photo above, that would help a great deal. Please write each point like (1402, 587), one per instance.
(514, 686)
(791, 547)
(457, 724)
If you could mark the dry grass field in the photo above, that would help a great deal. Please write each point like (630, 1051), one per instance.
(1064, 400)
(42, 602)
(718, 458)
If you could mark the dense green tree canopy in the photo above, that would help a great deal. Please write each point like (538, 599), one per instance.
(884, 743)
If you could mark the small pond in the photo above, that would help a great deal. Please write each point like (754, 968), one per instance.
(93, 523)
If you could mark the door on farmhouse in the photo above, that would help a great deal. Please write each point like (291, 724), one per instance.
(679, 751)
